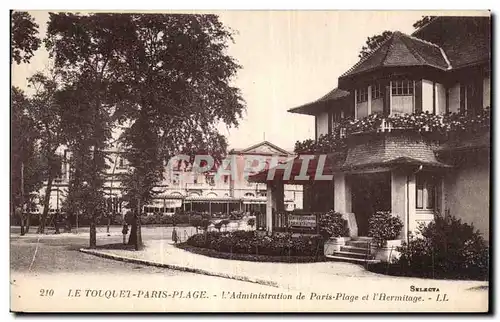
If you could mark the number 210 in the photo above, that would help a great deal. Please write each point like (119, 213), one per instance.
(46, 292)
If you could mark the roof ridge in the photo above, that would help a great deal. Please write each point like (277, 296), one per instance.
(413, 51)
(395, 33)
(432, 44)
(362, 60)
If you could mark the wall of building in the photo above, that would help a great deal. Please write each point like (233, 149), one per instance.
(486, 92)
(361, 110)
(402, 105)
(454, 98)
(467, 192)
(440, 99)
(427, 96)
(377, 106)
(322, 124)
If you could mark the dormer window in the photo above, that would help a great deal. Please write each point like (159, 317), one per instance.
(376, 91)
(402, 88)
(362, 95)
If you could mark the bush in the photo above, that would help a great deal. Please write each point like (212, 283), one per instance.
(251, 222)
(446, 248)
(247, 242)
(218, 226)
(332, 224)
(384, 226)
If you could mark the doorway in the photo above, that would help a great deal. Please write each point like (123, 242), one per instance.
(371, 192)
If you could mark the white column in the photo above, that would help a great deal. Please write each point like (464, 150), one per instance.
(270, 203)
(369, 101)
(342, 202)
(342, 194)
(403, 198)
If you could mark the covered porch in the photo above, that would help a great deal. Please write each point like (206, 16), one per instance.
(410, 188)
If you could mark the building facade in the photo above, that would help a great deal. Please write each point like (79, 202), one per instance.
(408, 131)
(183, 189)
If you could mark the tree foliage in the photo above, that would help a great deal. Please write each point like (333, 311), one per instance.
(375, 41)
(177, 83)
(422, 22)
(84, 49)
(24, 37)
(26, 163)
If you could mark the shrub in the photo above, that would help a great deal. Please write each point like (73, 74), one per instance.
(247, 242)
(218, 226)
(384, 226)
(446, 248)
(332, 224)
(225, 222)
(251, 222)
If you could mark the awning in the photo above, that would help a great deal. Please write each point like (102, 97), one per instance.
(254, 200)
(202, 199)
(166, 203)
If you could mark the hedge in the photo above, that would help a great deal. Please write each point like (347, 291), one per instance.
(249, 242)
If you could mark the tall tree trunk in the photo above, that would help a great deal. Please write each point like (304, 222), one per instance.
(28, 217)
(93, 231)
(108, 224)
(21, 219)
(22, 199)
(46, 205)
(67, 223)
(135, 231)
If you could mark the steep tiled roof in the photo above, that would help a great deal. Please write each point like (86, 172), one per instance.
(465, 40)
(402, 50)
(310, 108)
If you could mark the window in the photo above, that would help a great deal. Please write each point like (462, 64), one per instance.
(210, 180)
(376, 91)
(469, 98)
(337, 116)
(121, 163)
(402, 88)
(426, 191)
(362, 95)
(175, 178)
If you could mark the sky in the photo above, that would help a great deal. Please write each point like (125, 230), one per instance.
(288, 58)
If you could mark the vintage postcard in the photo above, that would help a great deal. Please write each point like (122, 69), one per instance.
(250, 161)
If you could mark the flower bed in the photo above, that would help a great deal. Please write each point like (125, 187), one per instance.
(248, 242)
(251, 257)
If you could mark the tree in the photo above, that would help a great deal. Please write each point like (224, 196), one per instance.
(178, 79)
(23, 37)
(26, 164)
(373, 43)
(85, 50)
(422, 22)
(46, 116)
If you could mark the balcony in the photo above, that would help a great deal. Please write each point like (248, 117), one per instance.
(437, 128)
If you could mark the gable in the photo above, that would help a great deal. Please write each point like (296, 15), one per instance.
(264, 148)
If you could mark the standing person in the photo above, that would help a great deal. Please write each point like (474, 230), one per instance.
(175, 238)
(125, 232)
